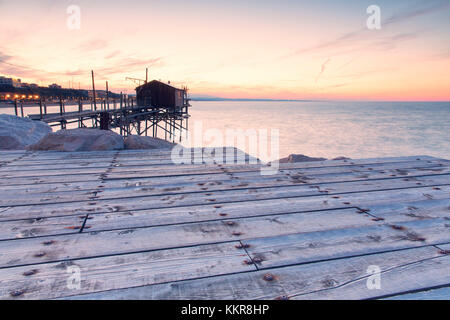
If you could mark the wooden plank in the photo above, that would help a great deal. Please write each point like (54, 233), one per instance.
(124, 158)
(72, 246)
(7, 158)
(46, 281)
(61, 178)
(434, 294)
(339, 279)
(142, 160)
(301, 248)
(28, 169)
(99, 155)
(418, 275)
(120, 169)
(275, 201)
(218, 181)
(235, 171)
(155, 217)
(40, 227)
(145, 171)
(411, 210)
(263, 185)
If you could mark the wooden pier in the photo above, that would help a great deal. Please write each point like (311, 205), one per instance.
(136, 226)
(157, 105)
(128, 119)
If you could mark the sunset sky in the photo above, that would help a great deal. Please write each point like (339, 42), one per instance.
(286, 49)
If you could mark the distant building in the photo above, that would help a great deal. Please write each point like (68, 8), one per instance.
(159, 94)
(54, 86)
(30, 85)
(17, 83)
(98, 94)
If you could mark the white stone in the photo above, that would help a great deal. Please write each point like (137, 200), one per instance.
(81, 139)
(17, 133)
(143, 142)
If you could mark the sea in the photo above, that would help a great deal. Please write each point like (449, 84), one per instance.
(327, 129)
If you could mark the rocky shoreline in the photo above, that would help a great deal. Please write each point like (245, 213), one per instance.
(18, 133)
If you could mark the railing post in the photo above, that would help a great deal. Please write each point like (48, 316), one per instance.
(15, 108)
(60, 106)
(40, 108)
(104, 121)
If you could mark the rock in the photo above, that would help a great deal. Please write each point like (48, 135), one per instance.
(341, 158)
(142, 142)
(81, 139)
(299, 158)
(17, 133)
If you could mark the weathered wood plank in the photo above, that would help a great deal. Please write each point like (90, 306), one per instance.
(126, 159)
(144, 209)
(418, 275)
(145, 171)
(72, 246)
(411, 211)
(123, 169)
(40, 227)
(218, 181)
(434, 294)
(333, 244)
(61, 178)
(155, 217)
(13, 197)
(263, 185)
(46, 281)
(29, 168)
(276, 201)
(126, 155)
(236, 171)
(339, 279)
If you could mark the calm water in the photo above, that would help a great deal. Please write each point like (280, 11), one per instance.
(331, 129)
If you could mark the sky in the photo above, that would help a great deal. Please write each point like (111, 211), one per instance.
(280, 49)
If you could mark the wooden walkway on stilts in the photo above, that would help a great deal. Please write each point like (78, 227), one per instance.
(135, 226)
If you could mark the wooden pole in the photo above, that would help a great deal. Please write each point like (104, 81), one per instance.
(93, 90)
(40, 108)
(146, 75)
(107, 96)
(21, 108)
(15, 108)
(60, 106)
(104, 121)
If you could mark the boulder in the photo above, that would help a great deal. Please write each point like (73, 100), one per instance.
(341, 158)
(17, 133)
(142, 142)
(299, 158)
(81, 139)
